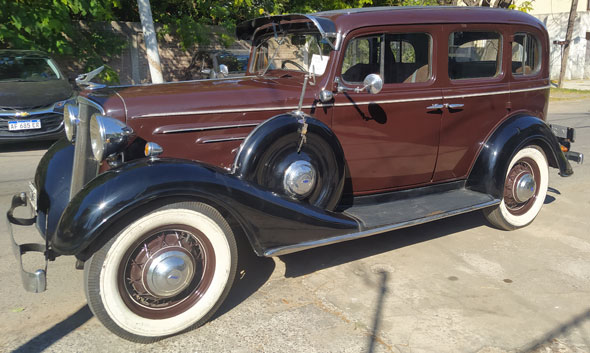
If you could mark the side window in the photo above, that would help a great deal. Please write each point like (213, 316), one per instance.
(407, 58)
(362, 57)
(526, 54)
(474, 55)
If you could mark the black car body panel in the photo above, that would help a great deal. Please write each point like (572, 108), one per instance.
(52, 180)
(489, 171)
(267, 219)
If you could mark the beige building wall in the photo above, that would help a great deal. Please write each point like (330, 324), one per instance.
(555, 6)
(555, 14)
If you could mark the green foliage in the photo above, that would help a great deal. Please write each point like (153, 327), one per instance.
(525, 6)
(54, 26)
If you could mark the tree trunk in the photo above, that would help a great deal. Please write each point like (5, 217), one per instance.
(471, 2)
(568, 38)
(151, 43)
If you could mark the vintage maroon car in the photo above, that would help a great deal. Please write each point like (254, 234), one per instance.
(347, 124)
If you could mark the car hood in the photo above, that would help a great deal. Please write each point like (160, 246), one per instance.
(224, 95)
(26, 95)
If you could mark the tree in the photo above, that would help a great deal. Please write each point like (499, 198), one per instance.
(568, 38)
(55, 26)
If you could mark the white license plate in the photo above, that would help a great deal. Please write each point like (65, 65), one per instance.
(24, 125)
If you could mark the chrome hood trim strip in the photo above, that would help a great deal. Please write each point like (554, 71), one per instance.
(172, 130)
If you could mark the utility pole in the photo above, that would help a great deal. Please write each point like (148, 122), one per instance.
(568, 39)
(151, 43)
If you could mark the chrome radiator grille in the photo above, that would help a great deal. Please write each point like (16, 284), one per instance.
(85, 167)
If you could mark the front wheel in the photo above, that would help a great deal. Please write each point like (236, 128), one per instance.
(165, 272)
(525, 189)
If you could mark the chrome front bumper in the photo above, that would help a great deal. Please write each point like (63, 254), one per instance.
(35, 282)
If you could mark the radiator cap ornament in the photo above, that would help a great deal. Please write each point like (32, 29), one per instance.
(83, 80)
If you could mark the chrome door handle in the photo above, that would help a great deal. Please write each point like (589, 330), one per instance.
(455, 106)
(435, 107)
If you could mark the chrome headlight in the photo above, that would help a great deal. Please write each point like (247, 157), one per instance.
(107, 136)
(70, 121)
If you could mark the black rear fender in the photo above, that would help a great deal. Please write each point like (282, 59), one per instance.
(489, 171)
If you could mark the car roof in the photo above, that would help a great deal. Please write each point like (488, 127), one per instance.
(348, 19)
(21, 52)
(345, 20)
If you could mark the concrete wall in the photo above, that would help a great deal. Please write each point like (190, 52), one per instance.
(555, 6)
(578, 66)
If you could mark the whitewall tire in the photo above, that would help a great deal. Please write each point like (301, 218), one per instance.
(165, 272)
(525, 188)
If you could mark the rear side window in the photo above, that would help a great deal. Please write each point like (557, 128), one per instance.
(526, 54)
(407, 58)
(474, 55)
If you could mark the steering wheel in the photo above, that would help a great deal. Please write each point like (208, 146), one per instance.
(292, 63)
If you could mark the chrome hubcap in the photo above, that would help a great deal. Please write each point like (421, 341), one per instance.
(299, 179)
(524, 187)
(168, 273)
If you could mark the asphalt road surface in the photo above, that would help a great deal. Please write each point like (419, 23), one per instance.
(455, 285)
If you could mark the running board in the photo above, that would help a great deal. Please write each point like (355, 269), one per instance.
(396, 214)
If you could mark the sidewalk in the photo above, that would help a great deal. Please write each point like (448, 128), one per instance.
(577, 84)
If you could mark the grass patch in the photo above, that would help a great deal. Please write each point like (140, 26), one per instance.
(563, 94)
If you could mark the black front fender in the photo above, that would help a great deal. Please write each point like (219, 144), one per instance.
(272, 129)
(489, 171)
(267, 219)
(52, 180)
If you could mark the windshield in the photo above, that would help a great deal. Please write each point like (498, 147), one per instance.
(303, 52)
(23, 69)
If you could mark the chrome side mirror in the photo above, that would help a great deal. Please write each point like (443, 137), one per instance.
(373, 83)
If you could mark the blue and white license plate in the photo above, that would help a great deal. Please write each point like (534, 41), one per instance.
(24, 125)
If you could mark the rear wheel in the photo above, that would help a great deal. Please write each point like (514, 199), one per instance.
(165, 272)
(525, 189)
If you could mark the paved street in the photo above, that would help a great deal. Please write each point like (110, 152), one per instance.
(455, 285)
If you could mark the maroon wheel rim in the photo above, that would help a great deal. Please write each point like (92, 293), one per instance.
(524, 165)
(131, 274)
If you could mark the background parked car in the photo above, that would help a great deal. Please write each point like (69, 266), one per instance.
(33, 92)
(207, 64)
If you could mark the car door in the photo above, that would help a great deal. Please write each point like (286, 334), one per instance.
(476, 93)
(390, 139)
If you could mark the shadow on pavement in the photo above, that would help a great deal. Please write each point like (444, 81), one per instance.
(25, 146)
(44, 340)
(312, 260)
(544, 344)
(252, 273)
(374, 333)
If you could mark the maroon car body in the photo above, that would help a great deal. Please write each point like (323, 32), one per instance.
(347, 124)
